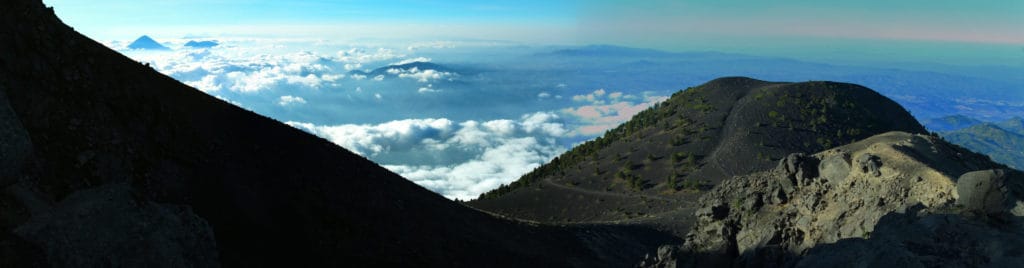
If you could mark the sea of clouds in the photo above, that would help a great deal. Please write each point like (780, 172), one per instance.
(459, 159)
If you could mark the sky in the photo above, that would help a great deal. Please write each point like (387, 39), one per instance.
(503, 99)
(780, 27)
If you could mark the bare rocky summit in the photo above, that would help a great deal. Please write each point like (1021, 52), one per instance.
(892, 200)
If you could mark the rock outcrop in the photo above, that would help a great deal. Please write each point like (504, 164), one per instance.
(894, 199)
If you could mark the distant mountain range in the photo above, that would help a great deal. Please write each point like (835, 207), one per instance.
(146, 43)
(948, 123)
(1002, 141)
(394, 69)
(201, 44)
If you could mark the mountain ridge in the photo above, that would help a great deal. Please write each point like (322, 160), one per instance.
(701, 136)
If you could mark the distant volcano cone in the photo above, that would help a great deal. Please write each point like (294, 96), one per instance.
(145, 42)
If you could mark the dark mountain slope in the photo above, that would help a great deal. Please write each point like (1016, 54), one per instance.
(109, 163)
(658, 161)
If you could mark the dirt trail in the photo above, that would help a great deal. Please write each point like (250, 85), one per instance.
(548, 181)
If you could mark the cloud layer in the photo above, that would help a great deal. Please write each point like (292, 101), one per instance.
(254, 67)
(456, 159)
(602, 110)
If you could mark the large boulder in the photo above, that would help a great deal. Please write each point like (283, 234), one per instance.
(835, 168)
(989, 191)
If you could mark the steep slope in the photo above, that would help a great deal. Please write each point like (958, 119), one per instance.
(1002, 145)
(106, 162)
(658, 162)
(892, 200)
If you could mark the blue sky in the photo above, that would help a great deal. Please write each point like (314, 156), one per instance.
(979, 32)
(997, 21)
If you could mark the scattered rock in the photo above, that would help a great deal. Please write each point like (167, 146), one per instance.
(870, 164)
(799, 168)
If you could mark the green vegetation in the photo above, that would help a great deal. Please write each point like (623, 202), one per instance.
(632, 180)
(1001, 145)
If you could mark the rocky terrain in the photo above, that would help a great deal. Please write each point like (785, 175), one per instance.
(651, 169)
(105, 162)
(892, 200)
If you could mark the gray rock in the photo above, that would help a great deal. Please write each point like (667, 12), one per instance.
(15, 146)
(985, 191)
(799, 168)
(111, 226)
(835, 168)
(870, 164)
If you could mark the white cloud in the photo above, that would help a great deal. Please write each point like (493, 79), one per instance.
(422, 76)
(603, 113)
(428, 89)
(290, 100)
(544, 95)
(359, 55)
(465, 159)
(411, 60)
(378, 78)
(595, 97)
(256, 67)
(206, 84)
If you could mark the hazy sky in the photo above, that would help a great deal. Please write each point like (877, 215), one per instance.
(990, 29)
